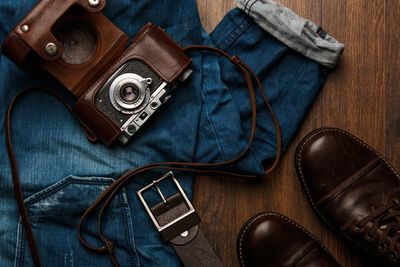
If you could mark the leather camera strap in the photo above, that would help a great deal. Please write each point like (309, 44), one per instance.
(103, 201)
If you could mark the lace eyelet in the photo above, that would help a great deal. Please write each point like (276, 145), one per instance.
(369, 236)
(396, 201)
(382, 247)
(393, 255)
(357, 227)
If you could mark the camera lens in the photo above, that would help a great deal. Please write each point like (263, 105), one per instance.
(79, 42)
(129, 93)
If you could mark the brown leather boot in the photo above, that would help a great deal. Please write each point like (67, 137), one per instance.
(354, 190)
(272, 240)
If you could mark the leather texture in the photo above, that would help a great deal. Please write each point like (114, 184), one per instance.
(28, 48)
(273, 240)
(354, 190)
(42, 18)
(193, 248)
(151, 46)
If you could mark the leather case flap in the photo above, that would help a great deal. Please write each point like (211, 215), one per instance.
(152, 46)
(16, 49)
(111, 44)
(159, 51)
(40, 21)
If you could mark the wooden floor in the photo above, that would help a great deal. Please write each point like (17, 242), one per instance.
(362, 96)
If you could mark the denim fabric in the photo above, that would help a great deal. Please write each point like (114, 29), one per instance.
(207, 120)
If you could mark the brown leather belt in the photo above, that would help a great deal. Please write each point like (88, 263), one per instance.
(178, 223)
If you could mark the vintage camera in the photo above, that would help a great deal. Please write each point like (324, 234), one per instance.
(132, 94)
(118, 88)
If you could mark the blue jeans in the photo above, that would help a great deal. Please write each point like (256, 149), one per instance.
(207, 120)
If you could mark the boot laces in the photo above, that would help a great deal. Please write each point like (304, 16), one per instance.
(385, 220)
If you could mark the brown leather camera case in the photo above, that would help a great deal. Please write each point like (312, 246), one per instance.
(26, 45)
(151, 46)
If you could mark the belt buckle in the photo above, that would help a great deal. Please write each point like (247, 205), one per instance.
(178, 225)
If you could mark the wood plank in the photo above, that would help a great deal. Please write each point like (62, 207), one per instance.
(392, 58)
(355, 91)
(211, 12)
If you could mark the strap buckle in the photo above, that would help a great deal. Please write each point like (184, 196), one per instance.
(181, 223)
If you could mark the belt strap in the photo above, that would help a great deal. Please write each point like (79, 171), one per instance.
(178, 223)
(105, 198)
(191, 246)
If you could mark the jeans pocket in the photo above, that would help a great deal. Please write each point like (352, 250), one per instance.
(54, 213)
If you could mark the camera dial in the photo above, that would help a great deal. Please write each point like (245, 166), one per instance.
(129, 92)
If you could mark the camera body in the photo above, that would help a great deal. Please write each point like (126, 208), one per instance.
(118, 88)
(132, 95)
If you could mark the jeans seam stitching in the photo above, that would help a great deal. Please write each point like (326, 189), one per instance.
(208, 114)
(132, 248)
(213, 128)
(244, 24)
(23, 245)
(20, 245)
(232, 34)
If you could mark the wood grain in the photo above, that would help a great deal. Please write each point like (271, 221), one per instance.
(362, 96)
(392, 84)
